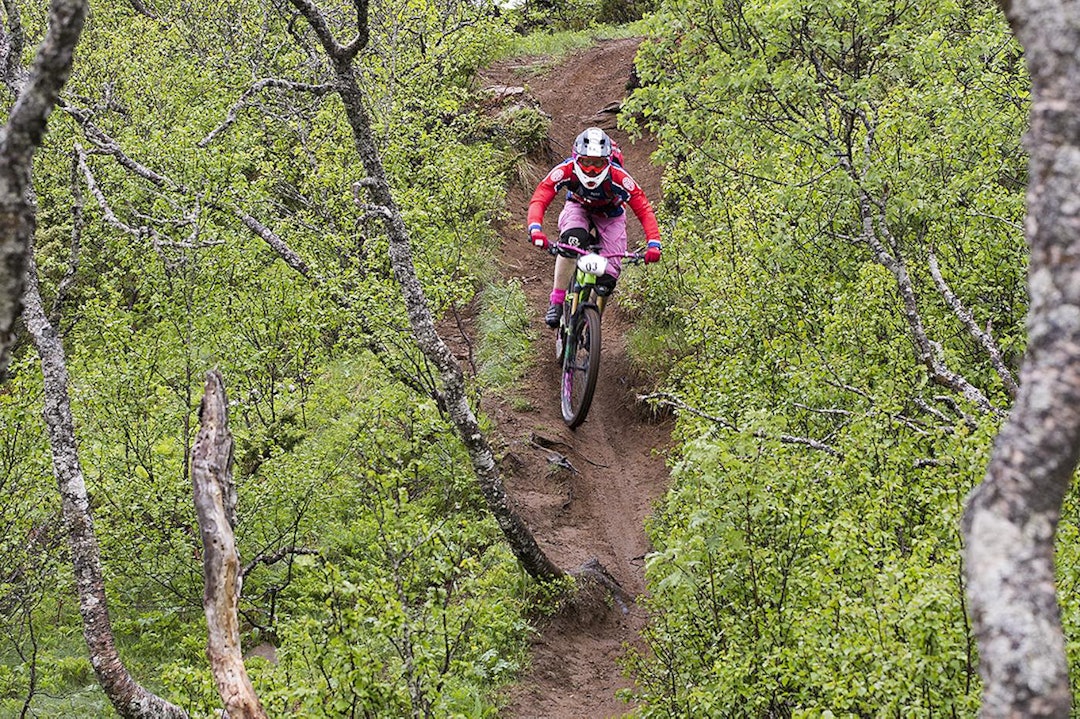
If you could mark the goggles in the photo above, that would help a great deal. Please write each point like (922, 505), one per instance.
(592, 166)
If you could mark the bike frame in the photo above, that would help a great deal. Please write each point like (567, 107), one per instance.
(572, 336)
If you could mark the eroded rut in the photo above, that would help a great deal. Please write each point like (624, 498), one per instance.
(597, 509)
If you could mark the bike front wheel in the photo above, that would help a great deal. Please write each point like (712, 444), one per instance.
(581, 366)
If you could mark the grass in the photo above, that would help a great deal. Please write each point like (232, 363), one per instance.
(504, 349)
(549, 48)
(522, 404)
(66, 686)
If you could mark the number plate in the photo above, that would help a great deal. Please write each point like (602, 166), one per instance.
(592, 264)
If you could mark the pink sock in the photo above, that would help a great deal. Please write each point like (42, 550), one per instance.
(558, 296)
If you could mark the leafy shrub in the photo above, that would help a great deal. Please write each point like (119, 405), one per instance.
(795, 584)
(807, 558)
(327, 393)
(617, 12)
(567, 15)
(528, 130)
(527, 134)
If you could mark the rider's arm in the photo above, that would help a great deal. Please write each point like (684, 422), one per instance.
(639, 203)
(635, 197)
(542, 197)
(545, 192)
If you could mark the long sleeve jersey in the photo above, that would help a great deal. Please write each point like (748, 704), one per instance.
(617, 189)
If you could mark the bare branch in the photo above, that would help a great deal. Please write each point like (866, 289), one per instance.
(914, 426)
(875, 228)
(336, 52)
(131, 700)
(928, 352)
(359, 42)
(824, 410)
(520, 538)
(924, 463)
(952, 404)
(667, 399)
(271, 238)
(141, 8)
(275, 557)
(19, 139)
(933, 411)
(102, 201)
(1004, 220)
(189, 218)
(12, 44)
(31, 661)
(557, 459)
(141, 232)
(105, 144)
(256, 88)
(419, 382)
(968, 320)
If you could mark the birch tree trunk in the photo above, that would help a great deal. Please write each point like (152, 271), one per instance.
(20, 137)
(130, 700)
(521, 540)
(1011, 518)
(215, 504)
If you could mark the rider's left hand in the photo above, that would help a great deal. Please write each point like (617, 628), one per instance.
(652, 252)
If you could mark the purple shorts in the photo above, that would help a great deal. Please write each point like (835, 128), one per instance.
(612, 231)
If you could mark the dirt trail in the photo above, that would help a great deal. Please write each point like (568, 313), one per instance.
(618, 455)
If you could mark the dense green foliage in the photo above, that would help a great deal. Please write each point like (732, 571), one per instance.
(800, 579)
(806, 559)
(374, 567)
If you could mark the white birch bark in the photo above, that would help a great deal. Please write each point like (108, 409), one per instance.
(19, 139)
(1011, 518)
(130, 700)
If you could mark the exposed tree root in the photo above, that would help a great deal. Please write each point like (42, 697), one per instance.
(596, 590)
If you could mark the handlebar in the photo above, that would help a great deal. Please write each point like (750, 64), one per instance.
(631, 257)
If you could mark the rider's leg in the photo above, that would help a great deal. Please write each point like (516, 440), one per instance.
(573, 230)
(564, 272)
(612, 231)
(564, 264)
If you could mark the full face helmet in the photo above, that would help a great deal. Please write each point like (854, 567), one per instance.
(592, 157)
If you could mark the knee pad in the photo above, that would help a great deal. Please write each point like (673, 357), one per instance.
(577, 237)
(605, 285)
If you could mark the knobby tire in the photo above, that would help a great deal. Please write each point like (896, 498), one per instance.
(581, 367)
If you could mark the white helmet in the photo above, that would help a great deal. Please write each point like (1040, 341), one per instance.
(592, 157)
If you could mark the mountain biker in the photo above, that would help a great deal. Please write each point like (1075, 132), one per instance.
(596, 187)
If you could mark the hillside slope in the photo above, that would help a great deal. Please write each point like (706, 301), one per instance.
(597, 509)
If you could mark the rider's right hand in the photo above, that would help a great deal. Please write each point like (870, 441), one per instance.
(538, 238)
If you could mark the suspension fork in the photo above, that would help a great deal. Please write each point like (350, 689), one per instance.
(582, 293)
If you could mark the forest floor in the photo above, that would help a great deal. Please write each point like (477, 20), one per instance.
(597, 510)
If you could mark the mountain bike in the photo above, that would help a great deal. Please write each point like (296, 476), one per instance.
(577, 342)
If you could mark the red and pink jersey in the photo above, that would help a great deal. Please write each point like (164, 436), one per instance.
(617, 189)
